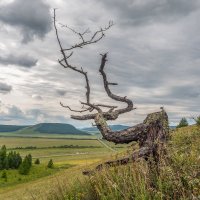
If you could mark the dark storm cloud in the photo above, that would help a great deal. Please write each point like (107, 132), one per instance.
(137, 12)
(185, 92)
(153, 55)
(31, 17)
(5, 88)
(61, 92)
(16, 115)
(20, 60)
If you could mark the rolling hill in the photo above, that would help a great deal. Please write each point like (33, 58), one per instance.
(10, 128)
(47, 128)
(113, 127)
(94, 130)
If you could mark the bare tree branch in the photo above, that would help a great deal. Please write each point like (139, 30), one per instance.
(151, 134)
(97, 36)
(108, 91)
(80, 111)
(67, 65)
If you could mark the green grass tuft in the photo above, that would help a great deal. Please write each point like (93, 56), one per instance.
(178, 177)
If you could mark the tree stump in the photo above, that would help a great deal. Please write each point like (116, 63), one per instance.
(153, 134)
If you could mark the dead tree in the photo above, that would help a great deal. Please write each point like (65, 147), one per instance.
(151, 134)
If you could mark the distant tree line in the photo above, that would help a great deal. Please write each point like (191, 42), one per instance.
(13, 160)
(60, 146)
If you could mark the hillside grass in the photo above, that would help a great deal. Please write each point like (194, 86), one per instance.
(36, 171)
(13, 142)
(78, 153)
(178, 177)
(35, 134)
(60, 150)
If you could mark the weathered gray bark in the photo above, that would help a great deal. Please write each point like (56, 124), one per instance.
(151, 134)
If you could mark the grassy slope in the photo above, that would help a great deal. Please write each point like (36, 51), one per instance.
(10, 128)
(179, 178)
(41, 188)
(62, 157)
(12, 142)
(33, 134)
(49, 128)
(37, 171)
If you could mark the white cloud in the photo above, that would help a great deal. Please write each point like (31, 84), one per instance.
(153, 55)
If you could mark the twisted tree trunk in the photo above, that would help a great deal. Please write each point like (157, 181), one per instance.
(151, 136)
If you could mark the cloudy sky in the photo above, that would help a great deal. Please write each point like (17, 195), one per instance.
(154, 55)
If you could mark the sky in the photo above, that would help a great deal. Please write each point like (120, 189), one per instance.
(153, 54)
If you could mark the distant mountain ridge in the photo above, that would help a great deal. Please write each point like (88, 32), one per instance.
(113, 127)
(58, 128)
(49, 128)
(10, 128)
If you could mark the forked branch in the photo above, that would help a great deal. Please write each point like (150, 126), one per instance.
(150, 135)
(95, 37)
(108, 91)
(65, 62)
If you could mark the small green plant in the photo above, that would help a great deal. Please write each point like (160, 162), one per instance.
(37, 161)
(4, 175)
(182, 123)
(197, 120)
(50, 164)
(26, 165)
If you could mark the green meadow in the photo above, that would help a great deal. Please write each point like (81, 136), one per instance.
(179, 173)
(66, 153)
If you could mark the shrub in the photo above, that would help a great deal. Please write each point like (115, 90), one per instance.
(25, 166)
(2, 157)
(14, 160)
(29, 157)
(37, 161)
(50, 164)
(182, 123)
(197, 120)
(4, 175)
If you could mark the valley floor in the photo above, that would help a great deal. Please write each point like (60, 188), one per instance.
(178, 179)
(70, 157)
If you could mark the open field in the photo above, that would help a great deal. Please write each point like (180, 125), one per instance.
(183, 149)
(45, 135)
(12, 142)
(66, 153)
(51, 142)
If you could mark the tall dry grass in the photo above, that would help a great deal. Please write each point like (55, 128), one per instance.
(178, 176)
